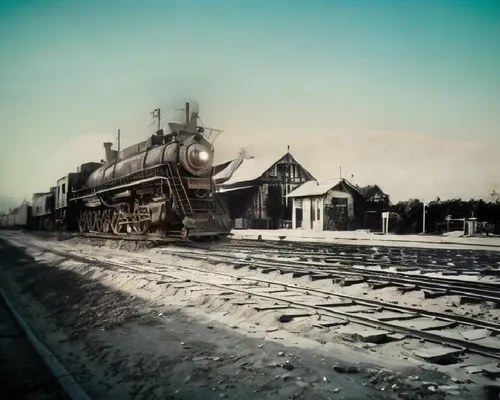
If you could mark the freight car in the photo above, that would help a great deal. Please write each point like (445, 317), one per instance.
(17, 218)
(161, 185)
(42, 211)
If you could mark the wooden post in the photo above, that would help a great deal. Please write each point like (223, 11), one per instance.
(423, 229)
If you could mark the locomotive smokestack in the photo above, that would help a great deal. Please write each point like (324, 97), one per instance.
(177, 124)
(107, 150)
(192, 117)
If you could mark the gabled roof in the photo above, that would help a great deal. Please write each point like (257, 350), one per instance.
(313, 188)
(319, 188)
(246, 169)
(352, 186)
(251, 169)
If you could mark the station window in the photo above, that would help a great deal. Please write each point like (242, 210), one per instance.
(64, 188)
(339, 201)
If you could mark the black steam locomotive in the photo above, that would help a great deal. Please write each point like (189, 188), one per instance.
(161, 185)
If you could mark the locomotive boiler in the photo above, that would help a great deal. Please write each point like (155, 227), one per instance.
(163, 184)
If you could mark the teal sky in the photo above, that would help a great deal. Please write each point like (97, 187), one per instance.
(323, 76)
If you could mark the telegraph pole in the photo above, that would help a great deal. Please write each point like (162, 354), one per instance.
(423, 229)
(118, 140)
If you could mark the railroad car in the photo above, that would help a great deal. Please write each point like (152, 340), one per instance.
(17, 218)
(66, 212)
(163, 184)
(42, 210)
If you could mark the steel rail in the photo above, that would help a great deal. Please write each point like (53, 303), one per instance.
(483, 290)
(463, 345)
(324, 254)
(362, 320)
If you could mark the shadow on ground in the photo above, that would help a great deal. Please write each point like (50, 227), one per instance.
(123, 346)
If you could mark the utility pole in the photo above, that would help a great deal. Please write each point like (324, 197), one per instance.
(118, 140)
(288, 178)
(425, 206)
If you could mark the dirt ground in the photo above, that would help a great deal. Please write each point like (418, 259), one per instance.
(120, 342)
(23, 375)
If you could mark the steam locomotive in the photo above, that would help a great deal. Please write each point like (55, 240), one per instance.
(162, 185)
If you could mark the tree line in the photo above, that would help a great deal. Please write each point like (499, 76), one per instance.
(410, 215)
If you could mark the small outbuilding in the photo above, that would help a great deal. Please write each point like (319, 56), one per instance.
(327, 205)
(337, 205)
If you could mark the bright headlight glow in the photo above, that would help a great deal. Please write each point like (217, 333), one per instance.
(198, 157)
(203, 155)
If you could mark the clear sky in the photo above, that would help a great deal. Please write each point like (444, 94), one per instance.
(405, 94)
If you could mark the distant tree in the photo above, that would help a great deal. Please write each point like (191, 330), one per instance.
(495, 196)
(410, 214)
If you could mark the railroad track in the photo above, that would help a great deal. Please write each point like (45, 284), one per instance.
(433, 287)
(352, 272)
(463, 262)
(325, 309)
(156, 238)
(395, 255)
(366, 260)
(379, 255)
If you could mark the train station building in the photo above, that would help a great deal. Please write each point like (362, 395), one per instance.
(255, 189)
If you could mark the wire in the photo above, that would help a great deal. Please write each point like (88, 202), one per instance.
(144, 124)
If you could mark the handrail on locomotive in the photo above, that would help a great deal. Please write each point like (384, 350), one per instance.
(161, 185)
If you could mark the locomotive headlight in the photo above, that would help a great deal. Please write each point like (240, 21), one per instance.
(199, 157)
(203, 155)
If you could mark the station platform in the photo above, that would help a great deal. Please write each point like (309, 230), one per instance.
(452, 240)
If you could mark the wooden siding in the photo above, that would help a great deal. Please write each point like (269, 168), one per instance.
(267, 207)
(281, 178)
